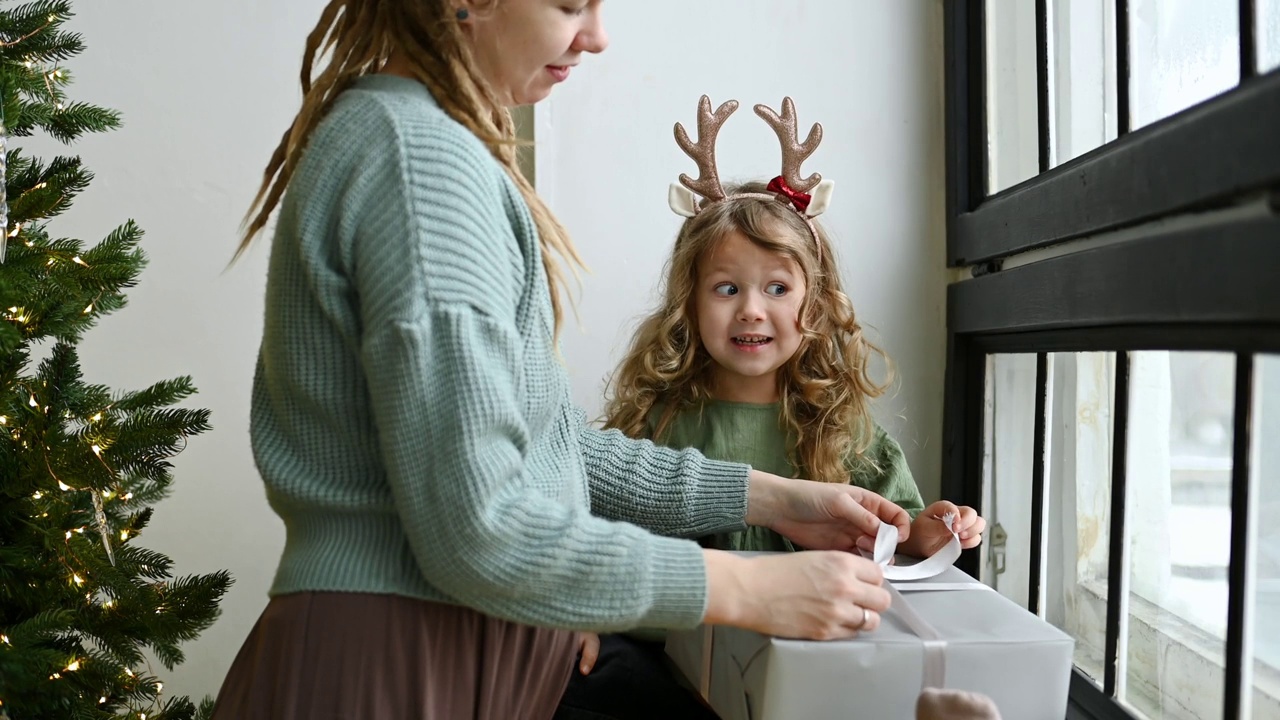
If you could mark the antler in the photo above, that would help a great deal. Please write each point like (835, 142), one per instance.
(793, 153)
(704, 151)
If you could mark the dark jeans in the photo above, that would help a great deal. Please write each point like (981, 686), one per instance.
(631, 681)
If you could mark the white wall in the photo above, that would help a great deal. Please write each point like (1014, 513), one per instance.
(870, 71)
(206, 90)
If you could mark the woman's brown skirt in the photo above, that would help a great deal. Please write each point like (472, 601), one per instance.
(322, 655)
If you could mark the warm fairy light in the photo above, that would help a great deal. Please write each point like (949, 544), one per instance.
(128, 672)
(17, 227)
(38, 495)
(109, 603)
(124, 535)
(63, 486)
(102, 700)
(80, 530)
(68, 534)
(96, 450)
(32, 402)
(96, 416)
(159, 687)
(4, 420)
(76, 259)
(88, 309)
(79, 580)
(55, 676)
(5, 639)
(106, 494)
(74, 666)
(128, 496)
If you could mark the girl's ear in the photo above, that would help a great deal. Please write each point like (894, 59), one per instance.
(682, 200)
(821, 198)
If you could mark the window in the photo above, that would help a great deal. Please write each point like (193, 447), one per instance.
(1113, 378)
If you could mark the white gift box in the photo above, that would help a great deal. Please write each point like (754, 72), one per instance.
(981, 642)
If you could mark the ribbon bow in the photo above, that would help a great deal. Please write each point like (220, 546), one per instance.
(798, 199)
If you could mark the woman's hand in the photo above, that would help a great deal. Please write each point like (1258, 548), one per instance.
(809, 595)
(821, 516)
(588, 651)
(929, 534)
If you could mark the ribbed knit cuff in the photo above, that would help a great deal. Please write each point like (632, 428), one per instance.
(720, 505)
(679, 584)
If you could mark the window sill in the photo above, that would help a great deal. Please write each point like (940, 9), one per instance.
(1169, 661)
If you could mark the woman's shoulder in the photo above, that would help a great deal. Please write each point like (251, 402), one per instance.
(381, 113)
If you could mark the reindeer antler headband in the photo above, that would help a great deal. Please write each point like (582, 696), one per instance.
(787, 187)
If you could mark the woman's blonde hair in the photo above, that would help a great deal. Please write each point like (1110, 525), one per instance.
(824, 388)
(358, 37)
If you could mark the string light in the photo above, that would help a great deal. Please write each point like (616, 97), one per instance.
(74, 666)
(109, 603)
(96, 416)
(124, 535)
(128, 672)
(102, 700)
(4, 420)
(5, 639)
(106, 494)
(63, 486)
(79, 580)
(32, 402)
(55, 676)
(128, 496)
(75, 259)
(38, 495)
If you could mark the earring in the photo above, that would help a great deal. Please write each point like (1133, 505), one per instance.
(462, 14)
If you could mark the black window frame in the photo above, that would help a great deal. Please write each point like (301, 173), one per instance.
(1213, 286)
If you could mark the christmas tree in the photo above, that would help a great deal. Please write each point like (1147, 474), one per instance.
(83, 607)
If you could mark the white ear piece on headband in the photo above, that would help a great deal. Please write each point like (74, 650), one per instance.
(682, 200)
(821, 199)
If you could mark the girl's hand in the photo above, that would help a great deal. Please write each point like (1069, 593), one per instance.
(821, 516)
(929, 534)
(589, 650)
(808, 595)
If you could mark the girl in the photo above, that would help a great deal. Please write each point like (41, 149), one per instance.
(449, 517)
(754, 355)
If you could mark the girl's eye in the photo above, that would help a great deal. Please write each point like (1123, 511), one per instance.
(574, 11)
(776, 289)
(726, 289)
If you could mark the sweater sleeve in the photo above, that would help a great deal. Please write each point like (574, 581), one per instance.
(883, 469)
(679, 493)
(440, 275)
(444, 397)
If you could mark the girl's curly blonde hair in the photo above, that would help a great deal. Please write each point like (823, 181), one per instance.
(824, 388)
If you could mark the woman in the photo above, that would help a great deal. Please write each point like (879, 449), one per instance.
(451, 519)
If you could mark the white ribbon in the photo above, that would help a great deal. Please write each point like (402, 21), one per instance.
(887, 544)
(935, 659)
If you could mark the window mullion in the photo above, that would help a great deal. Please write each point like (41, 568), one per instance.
(1248, 41)
(1039, 483)
(1239, 652)
(1117, 558)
